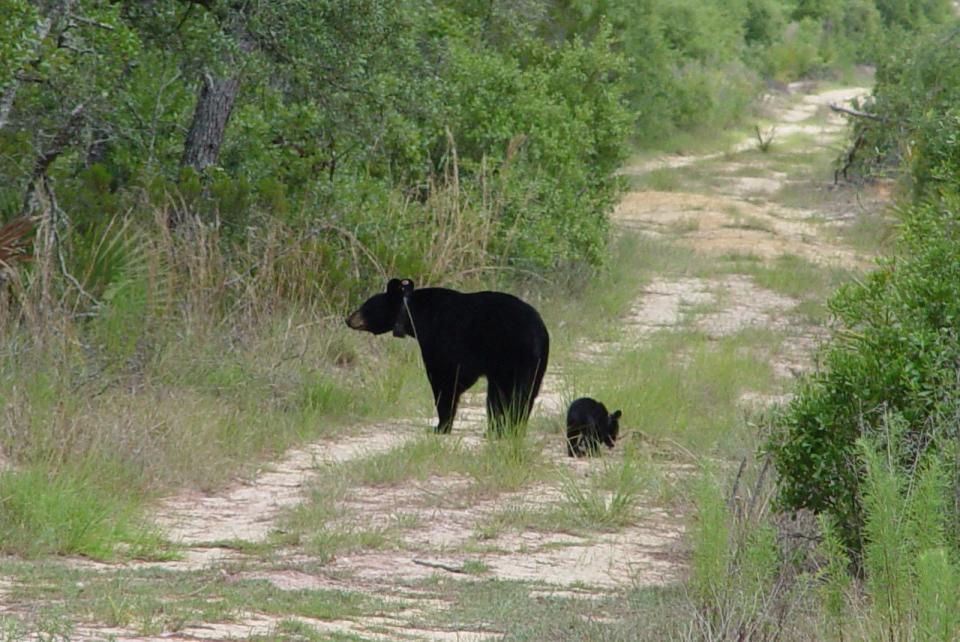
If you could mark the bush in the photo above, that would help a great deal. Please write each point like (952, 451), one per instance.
(551, 131)
(893, 357)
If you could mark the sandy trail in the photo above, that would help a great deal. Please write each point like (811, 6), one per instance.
(248, 511)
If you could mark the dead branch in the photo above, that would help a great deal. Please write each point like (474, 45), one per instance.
(44, 160)
(442, 567)
(849, 159)
(855, 112)
(90, 22)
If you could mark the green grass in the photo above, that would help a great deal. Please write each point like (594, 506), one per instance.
(605, 502)
(611, 503)
(504, 463)
(475, 567)
(792, 276)
(869, 233)
(415, 459)
(69, 513)
(684, 225)
(153, 600)
(664, 179)
(526, 611)
(684, 387)
(297, 630)
(701, 141)
(751, 170)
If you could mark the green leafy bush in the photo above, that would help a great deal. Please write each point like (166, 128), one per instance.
(894, 354)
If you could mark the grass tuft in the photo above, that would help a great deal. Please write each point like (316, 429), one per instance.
(65, 513)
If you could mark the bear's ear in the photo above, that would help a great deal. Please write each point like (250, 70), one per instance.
(393, 285)
(616, 414)
(407, 286)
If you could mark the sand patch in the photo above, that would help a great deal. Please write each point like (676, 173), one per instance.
(248, 511)
(719, 307)
(747, 306)
(642, 556)
(725, 225)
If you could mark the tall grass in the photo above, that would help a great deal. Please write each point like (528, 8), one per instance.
(152, 359)
(612, 500)
(740, 588)
(755, 574)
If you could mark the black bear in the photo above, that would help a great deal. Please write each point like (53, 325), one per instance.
(462, 337)
(588, 424)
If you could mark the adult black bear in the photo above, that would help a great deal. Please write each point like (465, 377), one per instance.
(462, 337)
(588, 424)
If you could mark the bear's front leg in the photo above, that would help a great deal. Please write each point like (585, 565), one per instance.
(448, 383)
(446, 401)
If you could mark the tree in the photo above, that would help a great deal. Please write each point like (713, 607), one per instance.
(218, 89)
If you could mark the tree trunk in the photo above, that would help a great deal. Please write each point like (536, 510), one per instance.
(210, 118)
(212, 112)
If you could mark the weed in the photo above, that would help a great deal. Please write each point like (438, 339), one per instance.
(415, 459)
(684, 225)
(508, 463)
(612, 502)
(764, 139)
(741, 222)
(475, 567)
(790, 275)
(659, 180)
(868, 232)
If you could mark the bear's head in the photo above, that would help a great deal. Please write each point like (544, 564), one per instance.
(385, 311)
(613, 428)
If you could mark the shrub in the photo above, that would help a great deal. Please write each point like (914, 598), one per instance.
(893, 354)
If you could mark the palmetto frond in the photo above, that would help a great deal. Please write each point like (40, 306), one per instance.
(15, 241)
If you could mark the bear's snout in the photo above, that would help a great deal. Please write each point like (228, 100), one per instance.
(356, 321)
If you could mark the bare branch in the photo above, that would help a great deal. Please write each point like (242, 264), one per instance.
(855, 112)
(91, 23)
(443, 567)
(44, 160)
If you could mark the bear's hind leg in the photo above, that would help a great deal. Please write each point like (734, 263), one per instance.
(508, 405)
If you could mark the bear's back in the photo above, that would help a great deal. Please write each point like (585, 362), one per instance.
(493, 319)
(587, 412)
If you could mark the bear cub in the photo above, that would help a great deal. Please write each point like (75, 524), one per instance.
(589, 424)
